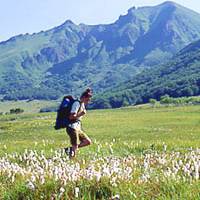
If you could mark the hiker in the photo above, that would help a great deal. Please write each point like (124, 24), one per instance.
(74, 129)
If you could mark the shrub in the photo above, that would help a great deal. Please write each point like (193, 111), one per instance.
(16, 111)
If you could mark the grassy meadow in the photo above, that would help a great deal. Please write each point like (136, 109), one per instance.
(28, 106)
(137, 153)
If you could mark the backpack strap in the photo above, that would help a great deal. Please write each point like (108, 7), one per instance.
(79, 105)
(76, 100)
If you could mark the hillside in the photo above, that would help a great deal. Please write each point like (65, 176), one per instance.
(179, 77)
(70, 57)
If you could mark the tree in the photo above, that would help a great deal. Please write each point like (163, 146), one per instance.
(16, 111)
(153, 102)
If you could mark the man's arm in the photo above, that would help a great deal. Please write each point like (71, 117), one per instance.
(74, 116)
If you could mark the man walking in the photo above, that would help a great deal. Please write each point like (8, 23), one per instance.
(77, 137)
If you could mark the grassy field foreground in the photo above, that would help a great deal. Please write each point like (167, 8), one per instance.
(137, 153)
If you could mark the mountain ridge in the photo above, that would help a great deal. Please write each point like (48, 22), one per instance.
(98, 56)
(176, 78)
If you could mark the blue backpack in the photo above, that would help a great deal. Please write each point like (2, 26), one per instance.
(63, 113)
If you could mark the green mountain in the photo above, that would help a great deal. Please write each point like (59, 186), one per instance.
(70, 57)
(178, 77)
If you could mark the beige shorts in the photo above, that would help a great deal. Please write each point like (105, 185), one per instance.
(76, 136)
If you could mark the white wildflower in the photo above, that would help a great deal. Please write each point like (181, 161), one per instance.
(110, 149)
(33, 178)
(116, 197)
(164, 147)
(30, 185)
(13, 178)
(76, 191)
(62, 190)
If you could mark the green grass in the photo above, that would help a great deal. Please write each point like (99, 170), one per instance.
(133, 129)
(129, 131)
(28, 106)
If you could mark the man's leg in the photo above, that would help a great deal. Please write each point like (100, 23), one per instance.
(84, 140)
(73, 134)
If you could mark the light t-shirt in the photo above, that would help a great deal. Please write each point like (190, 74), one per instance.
(77, 107)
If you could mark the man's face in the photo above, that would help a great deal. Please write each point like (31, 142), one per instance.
(87, 100)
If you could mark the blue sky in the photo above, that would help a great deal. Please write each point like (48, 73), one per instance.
(29, 16)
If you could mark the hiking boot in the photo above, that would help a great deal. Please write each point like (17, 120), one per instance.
(69, 151)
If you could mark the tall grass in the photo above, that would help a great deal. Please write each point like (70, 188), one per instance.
(137, 153)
